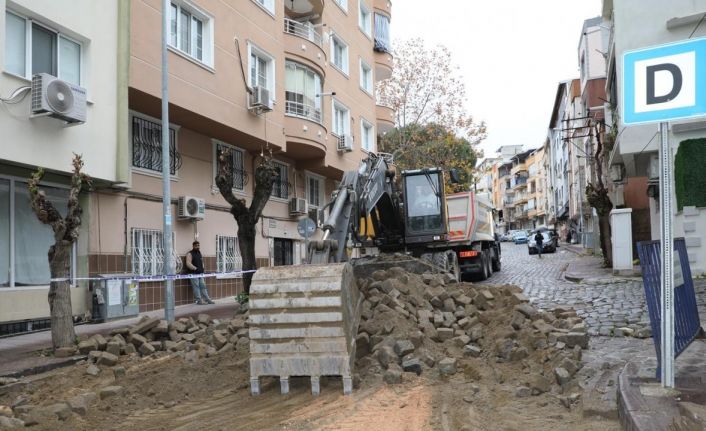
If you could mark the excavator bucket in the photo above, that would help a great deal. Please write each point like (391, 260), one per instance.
(303, 322)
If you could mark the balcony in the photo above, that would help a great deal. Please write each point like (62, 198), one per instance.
(382, 47)
(385, 119)
(532, 213)
(521, 167)
(383, 65)
(384, 6)
(304, 133)
(519, 182)
(303, 8)
(303, 43)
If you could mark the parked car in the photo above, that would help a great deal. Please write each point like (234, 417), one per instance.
(520, 237)
(548, 245)
(507, 236)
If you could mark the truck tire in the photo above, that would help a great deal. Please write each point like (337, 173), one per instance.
(497, 265)
(453, 267)
(485, 266)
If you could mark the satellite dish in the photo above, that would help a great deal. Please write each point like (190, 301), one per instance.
(59, 96)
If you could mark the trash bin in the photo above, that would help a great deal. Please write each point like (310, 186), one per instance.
(115, 296)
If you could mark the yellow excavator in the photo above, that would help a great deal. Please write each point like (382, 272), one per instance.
(304, 318)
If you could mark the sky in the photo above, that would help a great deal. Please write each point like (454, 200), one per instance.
(511, 54)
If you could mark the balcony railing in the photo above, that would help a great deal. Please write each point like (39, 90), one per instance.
(302, 29)
(302, 110)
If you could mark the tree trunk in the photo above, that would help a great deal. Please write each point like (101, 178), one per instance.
(246, 243)
(62, 325)
(605, 237)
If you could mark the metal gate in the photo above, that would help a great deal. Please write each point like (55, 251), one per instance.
(687, 325)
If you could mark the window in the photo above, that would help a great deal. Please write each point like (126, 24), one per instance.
(339, 54)
(262, 70)
(315, 190)
(283, 252)
(366, 77)
(343, 4)
(367, 135)
(268, 5)
(190, 32)
(31, 48)
(382, 33)
(364, 19)
(236, 163)
(302, 85)
(340, 120)
(228, 254)
(148, 252)
(280, 189)
(147, 146)
(24, 240)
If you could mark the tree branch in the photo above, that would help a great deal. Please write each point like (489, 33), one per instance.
(224, 182)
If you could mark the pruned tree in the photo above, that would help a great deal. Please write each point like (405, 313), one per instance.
(425, 88)
(598, 197)
(246, 217)
(66, 230)
(435, 146)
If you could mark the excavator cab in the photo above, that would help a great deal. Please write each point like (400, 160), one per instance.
(425, 207)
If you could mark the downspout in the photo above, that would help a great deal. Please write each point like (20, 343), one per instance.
(122, 156)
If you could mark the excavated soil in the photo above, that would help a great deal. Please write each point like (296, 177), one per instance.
(506, 380)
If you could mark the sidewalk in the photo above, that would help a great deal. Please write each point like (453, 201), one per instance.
(23, 353)
(590, 270)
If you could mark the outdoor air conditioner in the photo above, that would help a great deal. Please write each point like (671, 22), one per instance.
(260, 99)
(59, 99)
(191, 208)
(653, 168)
(345, 143)
(317, 215)
(297, 206)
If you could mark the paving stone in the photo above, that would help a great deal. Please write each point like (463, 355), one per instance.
(107, 359)
(403, 347)
(61, 410)
(80, 404)
(447, 366)
(412, 365)
(111, 391)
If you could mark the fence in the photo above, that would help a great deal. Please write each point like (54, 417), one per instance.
(687, 325)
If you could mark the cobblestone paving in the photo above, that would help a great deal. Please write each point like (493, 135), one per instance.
(605, 305)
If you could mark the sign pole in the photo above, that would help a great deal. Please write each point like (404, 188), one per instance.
(169, 263)
(667, 281)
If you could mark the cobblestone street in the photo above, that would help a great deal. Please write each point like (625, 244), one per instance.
(605, 304)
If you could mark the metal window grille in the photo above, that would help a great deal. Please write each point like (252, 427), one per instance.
(280, 188)
(148, 252)
(302, 29)
(236, 164)
(228, 257)
(147, 146)
(283, 252)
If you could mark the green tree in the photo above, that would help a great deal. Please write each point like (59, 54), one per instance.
(433, 145)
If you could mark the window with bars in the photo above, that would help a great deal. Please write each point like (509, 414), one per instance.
(228, 254)
(235, 163)
(283, 252)
(280, 188)
(147, 146)
(148, 252)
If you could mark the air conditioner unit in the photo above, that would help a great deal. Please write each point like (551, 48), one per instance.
(59, 99)
(653, 168)
(617, 173)
(191, 208)
(345, 143)
(317, 215)
(260, 99)
(297, 206)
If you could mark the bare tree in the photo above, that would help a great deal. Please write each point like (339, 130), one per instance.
(598, 197)
(426, 88)
(246, 217)
(66, 230)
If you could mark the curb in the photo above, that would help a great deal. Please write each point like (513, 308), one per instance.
(640, 413)
(573, 278)
(46, 367)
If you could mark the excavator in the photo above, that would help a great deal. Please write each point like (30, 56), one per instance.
(304, 318)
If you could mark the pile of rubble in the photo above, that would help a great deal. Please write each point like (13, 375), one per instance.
(428, 324)
(189, 338)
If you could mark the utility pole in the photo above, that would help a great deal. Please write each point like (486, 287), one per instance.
(169, 264)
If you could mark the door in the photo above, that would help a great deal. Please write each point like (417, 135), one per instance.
(283, 251)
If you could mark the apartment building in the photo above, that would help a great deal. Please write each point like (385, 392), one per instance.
(290, 79)
(634, 155)
(81, 49)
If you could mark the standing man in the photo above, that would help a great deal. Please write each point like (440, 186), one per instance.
(194, 262)
(538, 240)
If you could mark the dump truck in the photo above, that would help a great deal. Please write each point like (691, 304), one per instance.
(304, 318)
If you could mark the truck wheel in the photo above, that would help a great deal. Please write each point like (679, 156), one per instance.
(484, 274)
(453, 267)
(497, 264)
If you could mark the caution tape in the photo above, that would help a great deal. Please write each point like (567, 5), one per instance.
(148, 278)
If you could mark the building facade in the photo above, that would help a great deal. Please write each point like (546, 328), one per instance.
(293, 80)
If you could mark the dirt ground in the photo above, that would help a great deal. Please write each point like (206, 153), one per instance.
(496, 389)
